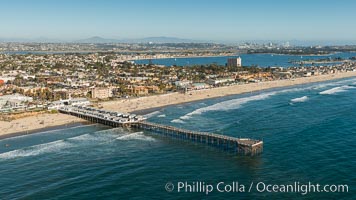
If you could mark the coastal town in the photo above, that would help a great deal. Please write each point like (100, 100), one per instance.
(40, 82)
(174, 100)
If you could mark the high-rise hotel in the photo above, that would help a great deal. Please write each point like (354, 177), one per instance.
(234, 62)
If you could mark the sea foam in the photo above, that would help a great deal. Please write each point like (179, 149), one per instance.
(335, 90)
(101, 136)
(237, 103)
(135, 136)
(178, 121)
(59, 131)
(36, 150)
(227, 105)
(300, 99)
(152, 114)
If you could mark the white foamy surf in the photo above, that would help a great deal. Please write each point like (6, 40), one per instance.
(300, 99)
(335, 90)
(98, 136)
(152, 114)
(60, 131)
(178, 121)
(36, 150)
(237, 103)
(227, 105)
(135, 136)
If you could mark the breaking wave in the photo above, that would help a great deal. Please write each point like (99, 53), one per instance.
(300, 99)
(237, 103)
(335, 90)
(135, 136)
(324, 85)
(178, 121)
(61, 130)
(55, 146)
(98, 136)
(36, 150)
(161, 116)
(228, 105)
(152, 114)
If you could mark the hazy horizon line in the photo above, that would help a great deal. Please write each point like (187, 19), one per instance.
(42, 39)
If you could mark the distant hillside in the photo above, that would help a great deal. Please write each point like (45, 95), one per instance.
(101, 40)
(35, 40)
(97, 39)
(161, 40)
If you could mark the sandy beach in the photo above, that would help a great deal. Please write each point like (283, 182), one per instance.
(130, 105)
(36, 122)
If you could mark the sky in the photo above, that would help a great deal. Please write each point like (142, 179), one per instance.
(220, 20)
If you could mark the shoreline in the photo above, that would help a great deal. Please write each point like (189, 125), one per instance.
(286, 54)
(48, 128)
(150, 110)
(31, 124)
(235, 54)
(144, 105)
(157, 101)
(204, 56)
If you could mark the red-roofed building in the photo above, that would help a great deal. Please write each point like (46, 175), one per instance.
(2, 82)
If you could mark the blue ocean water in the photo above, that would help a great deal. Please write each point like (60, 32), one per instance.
(261, 60)
(309, 134)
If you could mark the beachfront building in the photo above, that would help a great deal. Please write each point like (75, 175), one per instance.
(139, 90)
(200, 86)
(101, 93)
(184, 83)
(143, 90)
(79, 102)
(55, 105)
(14, 102)
(234, 62)
(220, 81)
(282, 75)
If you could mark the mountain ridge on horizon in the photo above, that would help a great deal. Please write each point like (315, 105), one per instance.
(166, 39)
(159, 39)
(99, 40)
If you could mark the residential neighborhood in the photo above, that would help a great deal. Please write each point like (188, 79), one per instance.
(41, 81)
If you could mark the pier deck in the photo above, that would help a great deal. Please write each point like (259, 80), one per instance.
(243, 146)
(227, 143)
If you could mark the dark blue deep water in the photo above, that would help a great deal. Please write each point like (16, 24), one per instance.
(309, 135)
(261, 60)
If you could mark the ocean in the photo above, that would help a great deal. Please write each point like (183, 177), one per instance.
(309, 135)
(261, 60)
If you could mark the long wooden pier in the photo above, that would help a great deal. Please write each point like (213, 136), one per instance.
(227, 143)
(244, 146)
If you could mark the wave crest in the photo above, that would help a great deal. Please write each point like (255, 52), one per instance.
(136, 136)
(335, 90)
(300, 99)
(152, 114)
(228, 105)
(36, 150)
(178, 121)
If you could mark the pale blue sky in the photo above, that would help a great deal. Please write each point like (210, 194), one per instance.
(227, 20)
